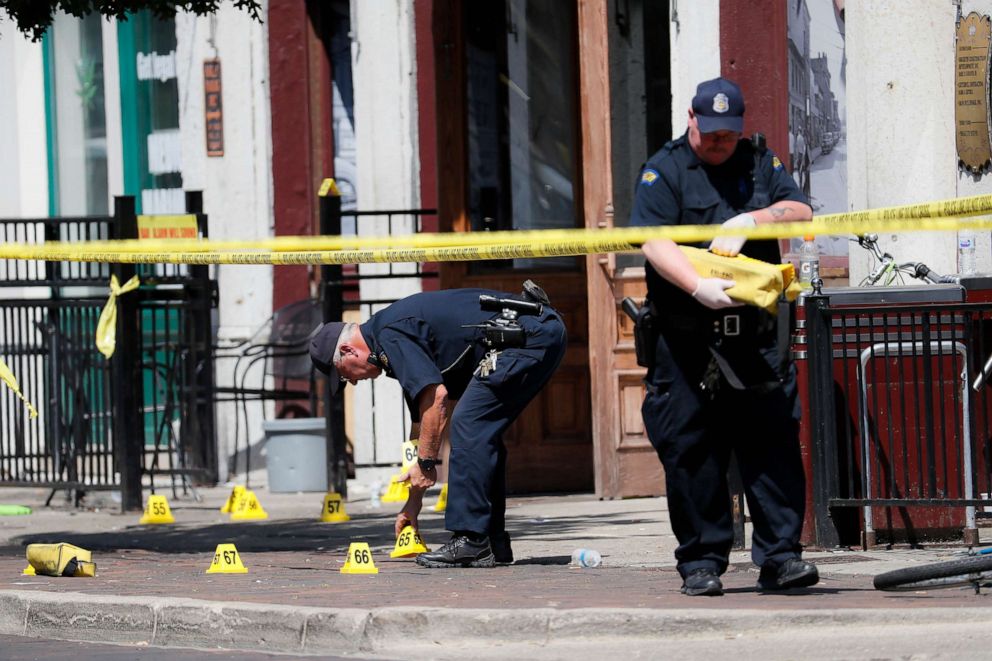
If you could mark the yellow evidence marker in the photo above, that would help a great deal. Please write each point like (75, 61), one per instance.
(248, 508)
(333, 510)
(156, 511)
(409, 544)
(226, 561)
(232, 499)
(409, 454)
(396, 492)
(59, 560)
(442, 499)
(359, 560)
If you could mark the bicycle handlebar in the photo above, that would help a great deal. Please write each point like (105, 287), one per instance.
(886, 262)
(924, 272)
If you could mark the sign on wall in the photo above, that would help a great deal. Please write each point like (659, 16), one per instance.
(213, 108)
(971, 93)
(167, 227)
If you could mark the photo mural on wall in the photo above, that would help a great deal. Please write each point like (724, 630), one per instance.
(818, 109)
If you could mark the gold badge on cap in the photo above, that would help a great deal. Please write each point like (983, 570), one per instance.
(721, 103)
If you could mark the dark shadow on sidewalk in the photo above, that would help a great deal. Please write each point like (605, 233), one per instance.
(548, 560)
(310, 534)
(796, 592)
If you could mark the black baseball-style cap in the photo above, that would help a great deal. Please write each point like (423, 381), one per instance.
(322, 348)
(719, 106)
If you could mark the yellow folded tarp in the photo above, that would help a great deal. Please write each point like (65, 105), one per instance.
(60, 560)
(758, 283)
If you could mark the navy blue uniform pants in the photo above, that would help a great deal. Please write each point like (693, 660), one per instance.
(694, 435)
(477, 464)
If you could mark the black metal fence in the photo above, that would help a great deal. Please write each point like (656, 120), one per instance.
(104, 424)
(901, 419)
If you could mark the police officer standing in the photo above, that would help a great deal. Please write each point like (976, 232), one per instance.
(471, 359)
(718, 381)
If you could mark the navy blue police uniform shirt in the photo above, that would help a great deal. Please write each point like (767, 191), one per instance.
(421, 340)
(676, 188)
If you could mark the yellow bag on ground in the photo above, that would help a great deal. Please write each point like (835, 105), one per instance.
(60, 559)
(758, 283)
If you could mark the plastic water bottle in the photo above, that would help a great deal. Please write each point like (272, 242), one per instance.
(586, 558)
(809, 262)
(966, 252)
(375, 494)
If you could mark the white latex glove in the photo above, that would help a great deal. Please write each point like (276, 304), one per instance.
(710, 292)
(730, 246)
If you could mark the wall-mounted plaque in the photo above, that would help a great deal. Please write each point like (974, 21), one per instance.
(971, 97)
(213, 108)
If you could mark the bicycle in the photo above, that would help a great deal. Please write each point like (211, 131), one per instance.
(975, 570)
(887, 271)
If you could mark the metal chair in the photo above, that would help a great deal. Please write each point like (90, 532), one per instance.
(282, 347)
(76, 426)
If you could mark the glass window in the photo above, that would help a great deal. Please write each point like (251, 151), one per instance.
(154, 99)
(75, 72)
(343, 110)
(522, 118)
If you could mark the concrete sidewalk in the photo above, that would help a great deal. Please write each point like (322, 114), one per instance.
(152, 587)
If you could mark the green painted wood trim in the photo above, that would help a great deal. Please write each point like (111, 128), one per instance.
(51, 121)
(130, 138)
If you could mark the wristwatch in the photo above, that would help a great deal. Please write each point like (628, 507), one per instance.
(427, 464)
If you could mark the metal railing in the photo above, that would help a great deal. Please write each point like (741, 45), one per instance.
(37, 231)
(898, 431)
(96, 427)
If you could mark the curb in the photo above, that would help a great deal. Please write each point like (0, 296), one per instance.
(178, 622)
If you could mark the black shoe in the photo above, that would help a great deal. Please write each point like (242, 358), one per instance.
(793, 573)
(460, 551)
(703, 582)
(500, 543)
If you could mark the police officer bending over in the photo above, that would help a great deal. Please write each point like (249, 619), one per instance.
(468, 358)
(717, 381)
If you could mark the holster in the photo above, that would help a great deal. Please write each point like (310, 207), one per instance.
(645, 330)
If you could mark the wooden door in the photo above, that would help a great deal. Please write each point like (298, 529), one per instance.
(625, 462)
(550, 445)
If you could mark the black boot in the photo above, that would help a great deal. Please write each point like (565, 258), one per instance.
(500, 543)
(793, 573)
(704, 582)
(460, 551)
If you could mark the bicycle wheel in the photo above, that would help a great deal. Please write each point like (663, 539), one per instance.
(937, 574)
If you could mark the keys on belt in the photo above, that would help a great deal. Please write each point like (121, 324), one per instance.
(488, 364)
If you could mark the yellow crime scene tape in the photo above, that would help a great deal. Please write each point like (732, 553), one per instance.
(7, 377)
(944, 215)
(106, 327)
(547, 243)
(947, 215)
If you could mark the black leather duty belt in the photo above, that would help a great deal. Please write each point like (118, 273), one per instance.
(730, 325)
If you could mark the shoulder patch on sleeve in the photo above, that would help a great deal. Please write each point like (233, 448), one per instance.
(649, 176)
(776, 164)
